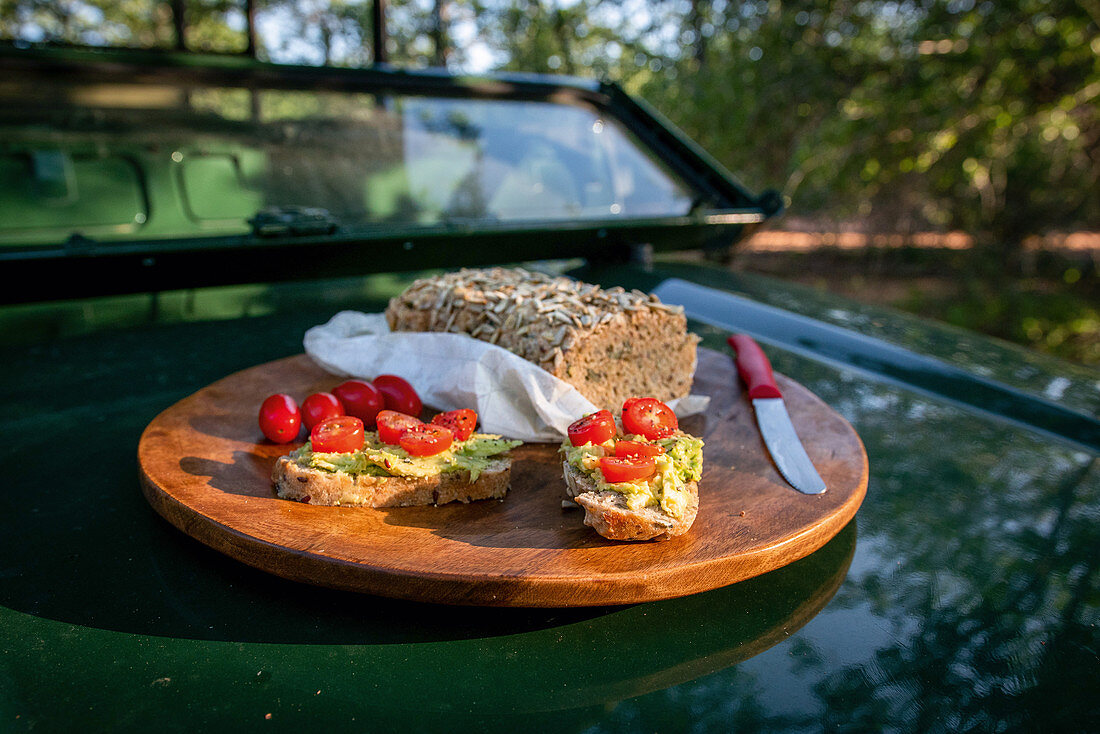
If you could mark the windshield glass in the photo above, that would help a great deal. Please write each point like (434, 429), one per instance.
(122, 161)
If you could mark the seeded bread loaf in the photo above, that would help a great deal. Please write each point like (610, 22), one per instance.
(610, 344)
(313, 486)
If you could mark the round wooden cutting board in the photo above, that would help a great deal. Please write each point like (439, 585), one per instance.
(206, 468)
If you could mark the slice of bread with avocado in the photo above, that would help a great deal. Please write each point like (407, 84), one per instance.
(658, 503)
(382, 475)
(316, 487)
(609, 513)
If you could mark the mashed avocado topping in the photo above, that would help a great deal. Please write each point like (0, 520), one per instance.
(385, 460)
(681, 462)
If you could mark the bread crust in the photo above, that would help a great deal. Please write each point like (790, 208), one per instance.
(609, 515)
(316, 487)
(610, 344)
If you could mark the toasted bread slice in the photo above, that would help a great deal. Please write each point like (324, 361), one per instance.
(608, 514)
(316, 487)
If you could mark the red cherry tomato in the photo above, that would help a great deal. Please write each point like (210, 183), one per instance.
(426, 439)
(392, 424)
(360, 399)
(320, 406)
(461, 422)
(637, 448)
(649, 417)
(593, 428)
(280, 418)
(398, 394)
(338, 435)
(627, 468)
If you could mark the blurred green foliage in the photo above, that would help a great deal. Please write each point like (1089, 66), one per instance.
(897, 116)
(1055, 309)
(883, 115)
(1051, 305)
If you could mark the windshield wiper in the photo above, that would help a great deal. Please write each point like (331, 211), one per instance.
(293, 220)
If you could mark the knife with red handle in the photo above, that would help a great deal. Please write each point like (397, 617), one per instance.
(771, 416)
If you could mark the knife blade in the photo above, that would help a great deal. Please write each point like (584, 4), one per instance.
(775, 424)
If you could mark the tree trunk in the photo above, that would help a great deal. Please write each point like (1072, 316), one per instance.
(564, 36)
(697, 18)
(438, 32)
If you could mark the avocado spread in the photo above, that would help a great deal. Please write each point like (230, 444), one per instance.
(385, 460)
(681, 462)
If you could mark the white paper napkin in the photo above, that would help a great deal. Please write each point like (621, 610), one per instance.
(513, 397)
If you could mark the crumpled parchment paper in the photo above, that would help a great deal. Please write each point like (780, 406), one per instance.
(513, 397)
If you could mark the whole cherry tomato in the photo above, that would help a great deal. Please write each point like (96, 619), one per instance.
(359, 399)
(398, 394)
(593, 428)
(627, 468)
(637, 448)
(649, 417)
(392, 424)
(462, 422)
(426, 439)
(280, 418)
(319, 406)
(338, 435)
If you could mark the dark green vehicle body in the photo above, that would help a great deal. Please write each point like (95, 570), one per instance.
(965, 595)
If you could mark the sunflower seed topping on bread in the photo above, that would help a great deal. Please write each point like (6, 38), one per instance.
(610, 343)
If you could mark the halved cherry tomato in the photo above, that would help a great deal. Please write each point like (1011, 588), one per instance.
(461, 422)
(649, 417)
(280, 419)
(593, 428)
(392, 424)
(338, 435)
(426, 439)
(627, 468)
(360, 399)
(320, 406)
(398, 394)
(637, 448)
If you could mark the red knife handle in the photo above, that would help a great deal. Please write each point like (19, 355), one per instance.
(754, 367)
